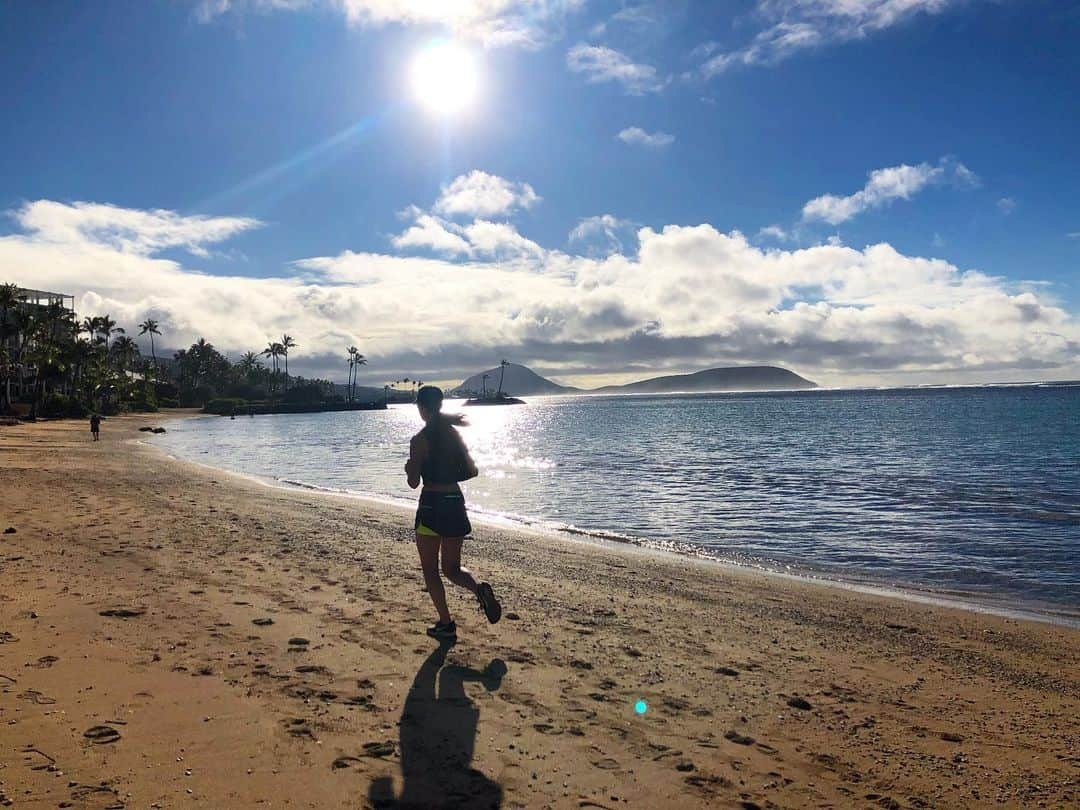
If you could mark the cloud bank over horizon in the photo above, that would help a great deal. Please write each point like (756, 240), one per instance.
(676, 298)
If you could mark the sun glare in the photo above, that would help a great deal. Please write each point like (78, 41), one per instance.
(445, 77)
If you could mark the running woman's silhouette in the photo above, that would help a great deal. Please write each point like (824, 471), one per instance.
(438, 457)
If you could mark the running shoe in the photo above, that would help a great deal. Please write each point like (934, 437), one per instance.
(443, 630)
(488, 603)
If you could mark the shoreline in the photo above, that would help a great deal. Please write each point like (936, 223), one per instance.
(243, 645)
(1050, 613)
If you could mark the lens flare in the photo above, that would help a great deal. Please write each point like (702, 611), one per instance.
(641, 707)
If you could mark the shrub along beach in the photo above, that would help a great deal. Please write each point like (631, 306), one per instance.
(173, 634)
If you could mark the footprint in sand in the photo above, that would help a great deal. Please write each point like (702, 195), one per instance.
(36, 697)
(737, 738)
(100, 735)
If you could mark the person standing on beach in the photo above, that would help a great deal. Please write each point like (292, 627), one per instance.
(95, 426)
(439, 458)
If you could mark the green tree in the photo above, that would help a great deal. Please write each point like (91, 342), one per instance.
(287, 343)
(150, 327)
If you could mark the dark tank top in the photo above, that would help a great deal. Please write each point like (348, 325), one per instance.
(445, 462)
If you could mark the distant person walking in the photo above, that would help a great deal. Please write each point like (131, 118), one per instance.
(439, 458)
(95, 426)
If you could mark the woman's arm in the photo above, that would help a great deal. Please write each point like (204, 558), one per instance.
(417, 451)
(470, 465)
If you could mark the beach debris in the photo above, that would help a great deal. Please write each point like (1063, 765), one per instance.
(122, 613)
(799, 703)
(298, 642)
(343, 762)
(737, 738)
(731, 673)
(44, 662)
(606, 764)
(265, 621)
(511, 616)
(158, 430)
(9, 530)
(313, 668)
(685, 766)
(949, 736)
(6, 637)
(579, 664)
(145, 429)
(100, 735)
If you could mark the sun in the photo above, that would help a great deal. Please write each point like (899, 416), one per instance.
(445, 77)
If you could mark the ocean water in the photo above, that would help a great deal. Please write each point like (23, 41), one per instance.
(969, 491)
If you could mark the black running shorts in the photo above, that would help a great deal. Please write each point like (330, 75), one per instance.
(442, 514)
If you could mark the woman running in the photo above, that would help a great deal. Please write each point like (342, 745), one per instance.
(439, 458)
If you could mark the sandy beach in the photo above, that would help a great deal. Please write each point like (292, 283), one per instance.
(173, 636)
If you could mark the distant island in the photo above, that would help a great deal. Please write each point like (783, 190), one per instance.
(517, 380)
(522, 381)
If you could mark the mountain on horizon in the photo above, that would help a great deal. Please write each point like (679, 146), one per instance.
(518, 381)
(732, 378)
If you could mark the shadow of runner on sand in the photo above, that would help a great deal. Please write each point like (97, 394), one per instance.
(437, 739)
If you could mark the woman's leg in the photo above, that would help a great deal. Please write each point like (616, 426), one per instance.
(428, 547)
(451, 564)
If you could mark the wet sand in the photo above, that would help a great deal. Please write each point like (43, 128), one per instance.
(171, 635)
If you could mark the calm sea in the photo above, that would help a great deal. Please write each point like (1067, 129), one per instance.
(971, 491)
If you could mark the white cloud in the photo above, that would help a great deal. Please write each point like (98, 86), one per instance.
(796, 25)
(600, 234)
(885, 185)
(128, 230)
(774, 232)
(1006, 205)
(639, 137)
(601, 64)
(431, 233)
(522, 23)
(480, 194)
(687, 297)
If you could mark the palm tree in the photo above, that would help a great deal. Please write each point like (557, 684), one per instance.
(287, 343)
(352, 352)
(249, 365)
(358, 360)
(126, 350)
(90, 326)
(150, 327)
(273, 351)
(107, 327)
(502, 368)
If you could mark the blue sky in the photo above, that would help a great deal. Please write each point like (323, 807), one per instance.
(278, 148)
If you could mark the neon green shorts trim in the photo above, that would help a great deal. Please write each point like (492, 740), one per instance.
(425, 531)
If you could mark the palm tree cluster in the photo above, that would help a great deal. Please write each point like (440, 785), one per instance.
(60, 365)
